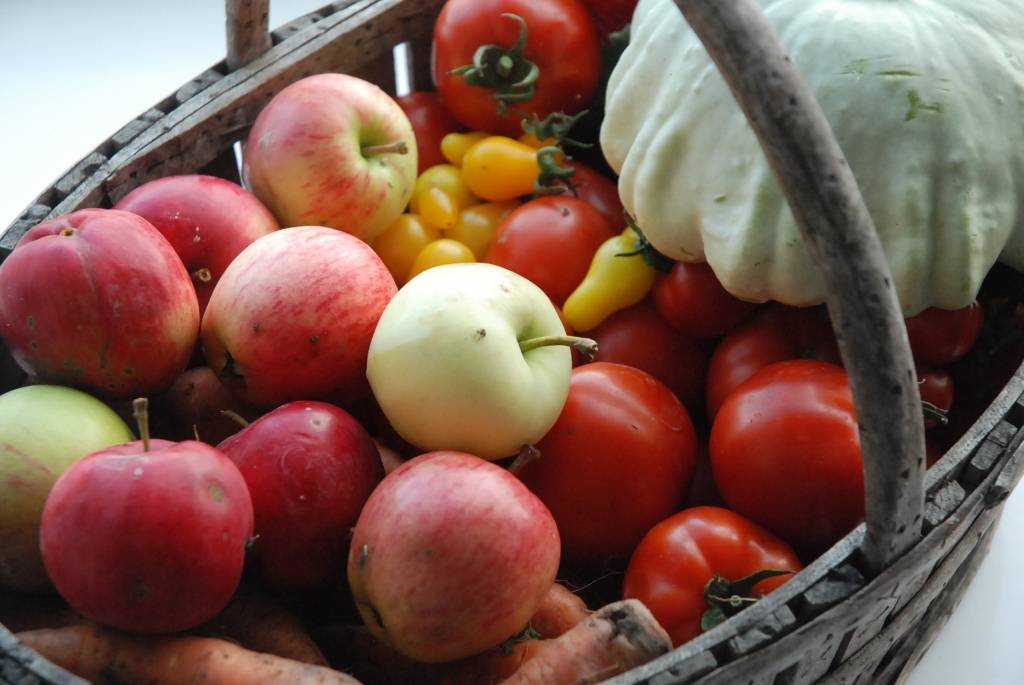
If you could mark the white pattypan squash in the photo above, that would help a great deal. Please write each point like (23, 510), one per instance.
(926, 98)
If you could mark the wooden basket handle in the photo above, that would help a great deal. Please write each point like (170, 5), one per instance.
(248, 30)
(827, 206)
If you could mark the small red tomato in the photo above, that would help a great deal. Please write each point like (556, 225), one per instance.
(691, 298)
(599, 191)
(551, 241)
(943, 336)
(562, 42)
(638, 337)
(776, 334)
(671, 567)
(785, 452)
(431, 121)
(619, 459)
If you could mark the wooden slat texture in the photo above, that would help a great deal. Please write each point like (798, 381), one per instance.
(248, 31)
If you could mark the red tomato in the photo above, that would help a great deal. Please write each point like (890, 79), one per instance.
(786, 453)
(691, 298)
(550, 240)
(638, 337)
(562, 41)
(775, 334)
(672, 565)
(599, 191)
(431, 121)
(618, 460)
(943, 336)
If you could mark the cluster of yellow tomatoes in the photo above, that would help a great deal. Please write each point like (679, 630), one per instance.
(457, 207)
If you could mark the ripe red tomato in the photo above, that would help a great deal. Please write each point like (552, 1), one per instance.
(943, 336)
(618, 460)
(638, 337)
(775, 334)
(691, 298)
(562, 41)
(431, 121)
(785, 452)
(672, 565)
(599, 191)
(550, 240)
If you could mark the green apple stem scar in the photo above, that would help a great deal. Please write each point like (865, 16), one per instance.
(585, 346)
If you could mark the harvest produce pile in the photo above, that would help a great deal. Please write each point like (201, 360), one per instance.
(432, 396)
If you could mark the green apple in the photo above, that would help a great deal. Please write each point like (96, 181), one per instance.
(43, 430)
(471, 357)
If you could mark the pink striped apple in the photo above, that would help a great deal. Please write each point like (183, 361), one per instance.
(293, 315)
(332, 150)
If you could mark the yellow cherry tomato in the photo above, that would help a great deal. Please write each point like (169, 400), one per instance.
(398, 246)
(443, 251)
(447, 179)
(618, 277)
(438, 208)
(476, 225)
(454, 145)
(536, 143)
(499, 168)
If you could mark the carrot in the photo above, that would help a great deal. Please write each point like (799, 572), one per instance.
(612, 640)
(105, 656)
(559, 611)
(257, 622)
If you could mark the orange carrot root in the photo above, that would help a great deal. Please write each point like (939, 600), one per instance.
(612, 640)
(559, 611)
(105, 656)
(257, 622)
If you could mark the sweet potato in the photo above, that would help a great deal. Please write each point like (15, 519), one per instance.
(108, 657)
(559, 611)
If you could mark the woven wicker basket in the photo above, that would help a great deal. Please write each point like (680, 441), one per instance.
(866, 610)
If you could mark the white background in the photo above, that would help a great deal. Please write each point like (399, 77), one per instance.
(73, 72)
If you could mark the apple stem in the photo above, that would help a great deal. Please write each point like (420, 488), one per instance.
(398, 147)
(235, 416)
(140, 409)
(203, 275)
(586, 346)
(527, 454)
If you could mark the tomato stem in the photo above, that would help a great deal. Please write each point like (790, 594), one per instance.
(140, 409)
(506, 71)
(728, 597)
(586, 346)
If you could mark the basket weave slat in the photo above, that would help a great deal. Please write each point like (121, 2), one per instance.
(837, 621)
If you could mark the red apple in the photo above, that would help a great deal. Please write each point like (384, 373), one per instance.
(293, 315)
(207, 220)
(99, 300)
(197, 402)
(332, 150)
(148, 540)
(451, 556)
(309, 467)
